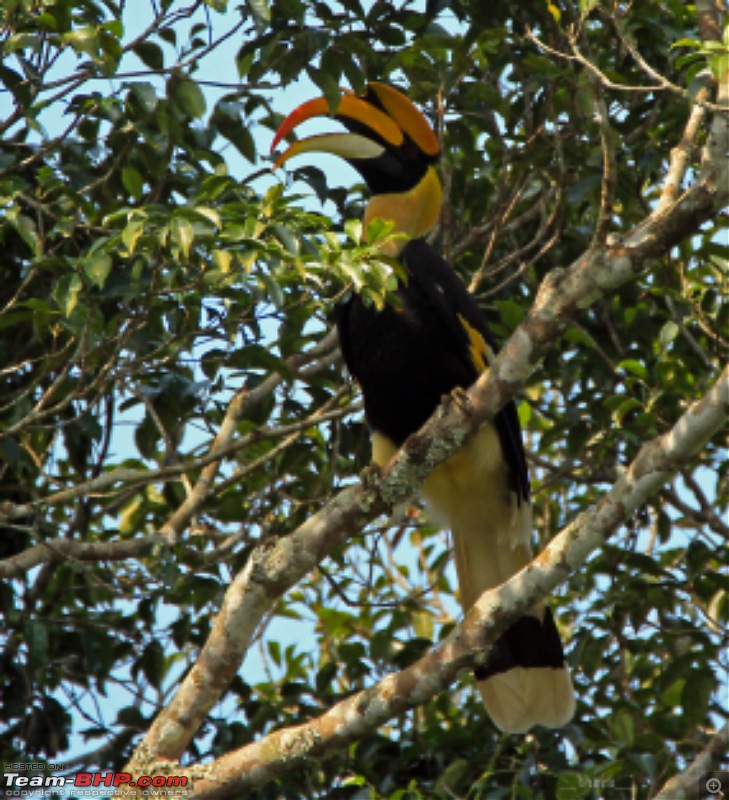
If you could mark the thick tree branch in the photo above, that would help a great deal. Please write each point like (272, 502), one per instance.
(470, 643)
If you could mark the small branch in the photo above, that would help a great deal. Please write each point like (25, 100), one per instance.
(299, 365)
(662, 84)
(707, 508)
(692, 343)
(496, 226)
(298, 430)
(686, 785)
(62, 549)
(179, 520)
(609, 170)
(681, 154)
(546, 246)
(607, 141)
(41, 409)
(700, 517)
(516, 254)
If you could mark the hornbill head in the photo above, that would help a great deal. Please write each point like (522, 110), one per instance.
(391, 145)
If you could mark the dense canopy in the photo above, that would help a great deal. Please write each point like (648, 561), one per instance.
(195, 559)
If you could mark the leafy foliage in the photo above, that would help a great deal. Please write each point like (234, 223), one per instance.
(152, 270)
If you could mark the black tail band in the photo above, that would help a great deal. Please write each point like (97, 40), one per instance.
(527, 643)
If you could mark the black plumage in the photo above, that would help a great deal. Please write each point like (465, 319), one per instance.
(407, 356)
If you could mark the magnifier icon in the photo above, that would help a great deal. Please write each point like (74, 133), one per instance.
(713, 786)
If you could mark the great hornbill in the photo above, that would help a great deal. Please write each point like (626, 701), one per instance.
(409, 354)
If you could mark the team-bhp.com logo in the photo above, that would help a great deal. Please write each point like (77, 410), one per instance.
(17, 784)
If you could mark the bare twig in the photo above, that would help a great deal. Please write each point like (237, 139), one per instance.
(323, 354)
(700, 517)
(662, 83)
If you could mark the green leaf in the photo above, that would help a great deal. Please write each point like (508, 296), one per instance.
(272, 289)
(423, 625)
(511, 313)
(329, 84)
(672, 696)
(668, 333)
(261, 13)
(189, 97)
(152, 663)
(22, 41)
(634, 367)
(26, 227)
(696, 695)
(687, 43)
(274, 651)
(209, 214)
(623, 727)
(625, 406)
(287, 238)
(573, 786)
(68, 293)
(353, 230)
(133, 182)
(183, 234)
(524, 410)
(554, 11)
(83, 40)
(150, 54)
(131, 233)
(698, 555)
(98, 268)
(131, 514)
(146, 95)
(131, 717)
(223, 260)
(720, 66)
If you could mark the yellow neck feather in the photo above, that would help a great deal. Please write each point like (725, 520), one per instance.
(414, 212)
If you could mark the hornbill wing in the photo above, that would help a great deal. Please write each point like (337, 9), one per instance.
(460, 312)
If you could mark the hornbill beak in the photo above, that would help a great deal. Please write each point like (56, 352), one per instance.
(391, 145)
(387, 133)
